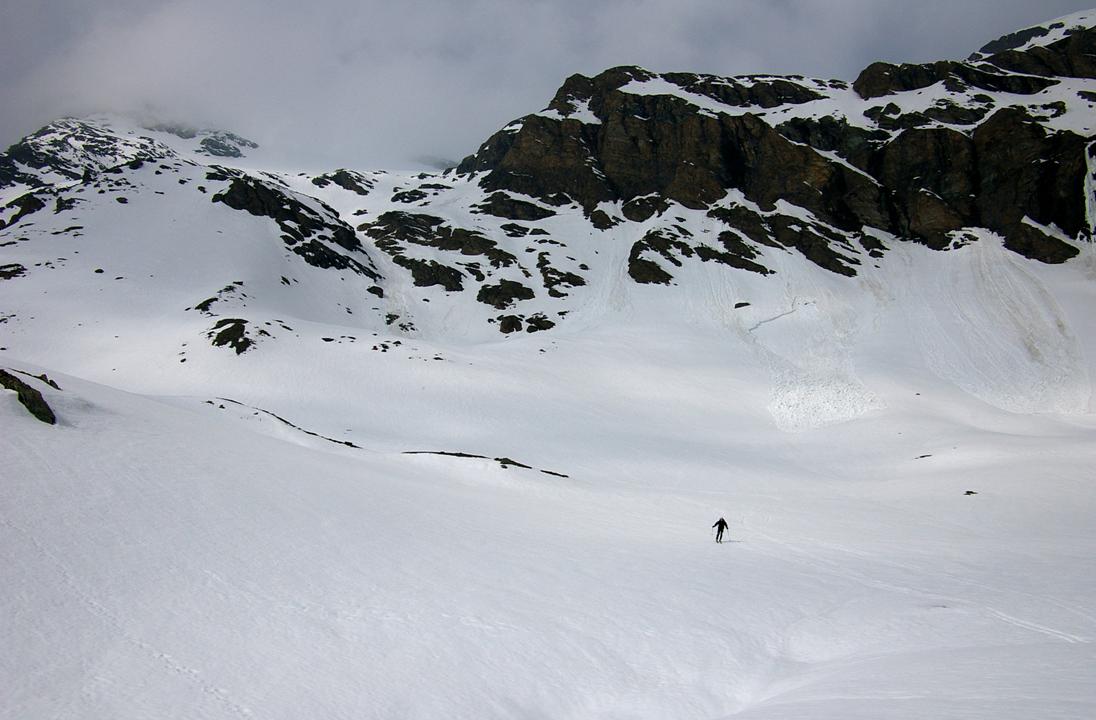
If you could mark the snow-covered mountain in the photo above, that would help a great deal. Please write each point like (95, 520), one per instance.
(386, 444)
(683, 169)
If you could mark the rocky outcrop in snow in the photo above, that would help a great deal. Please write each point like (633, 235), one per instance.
(917, 151)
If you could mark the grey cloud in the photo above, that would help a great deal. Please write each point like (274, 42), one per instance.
(373, 83)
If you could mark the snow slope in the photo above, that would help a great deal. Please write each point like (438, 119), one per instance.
(165, 557)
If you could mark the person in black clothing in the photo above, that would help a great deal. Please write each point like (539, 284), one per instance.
(719, 526)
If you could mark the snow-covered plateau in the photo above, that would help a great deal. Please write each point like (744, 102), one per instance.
(297, 471)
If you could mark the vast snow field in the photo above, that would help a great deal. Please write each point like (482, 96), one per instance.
(170, 550)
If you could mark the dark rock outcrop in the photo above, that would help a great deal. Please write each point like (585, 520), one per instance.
(538, 322)
(233, 333)
(347, 180)
(1072, 56)
(509, 324)
(225, 144)
(829, 134)
(393, 230)
(1033, 243)
(554, 278)
(504, 206)
(921, 176)
(30, 398)
(11, 270)
(308, 232)
(650, 149)
(426, 273)
(879, 79)
(24, 205)
(1024, 170)
(504, 294)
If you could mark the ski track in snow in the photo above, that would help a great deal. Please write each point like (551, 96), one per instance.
(816, 561)
(118, 627)
(1036, 627)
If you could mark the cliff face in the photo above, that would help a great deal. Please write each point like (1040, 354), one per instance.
(1000, 141)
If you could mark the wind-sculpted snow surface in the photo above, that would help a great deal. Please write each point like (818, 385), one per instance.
(173, 557)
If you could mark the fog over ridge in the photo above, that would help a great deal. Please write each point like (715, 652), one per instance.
(375, 84)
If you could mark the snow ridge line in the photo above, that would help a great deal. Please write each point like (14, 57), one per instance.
(280, 419)
(833, 568)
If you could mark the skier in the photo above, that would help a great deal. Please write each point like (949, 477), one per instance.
(719, 526)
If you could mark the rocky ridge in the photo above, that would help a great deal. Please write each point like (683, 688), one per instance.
(627, 173)
(919, 152)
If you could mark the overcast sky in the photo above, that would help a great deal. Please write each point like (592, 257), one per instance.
(372, 83)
